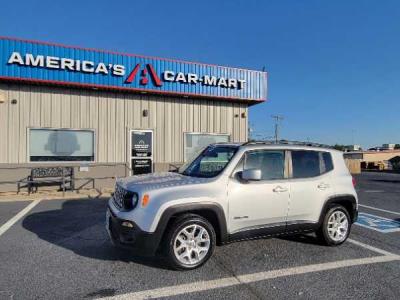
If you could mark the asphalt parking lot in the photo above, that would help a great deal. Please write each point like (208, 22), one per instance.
(58, 249)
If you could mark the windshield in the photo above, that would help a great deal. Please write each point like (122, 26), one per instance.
(210, 162)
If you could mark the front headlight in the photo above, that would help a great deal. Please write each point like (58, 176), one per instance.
(130, 200)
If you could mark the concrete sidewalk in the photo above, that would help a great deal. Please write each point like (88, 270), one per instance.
(52, 194)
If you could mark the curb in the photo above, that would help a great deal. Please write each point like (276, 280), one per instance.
(12, 197)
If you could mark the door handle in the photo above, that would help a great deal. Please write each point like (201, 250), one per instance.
(323, 186)
(279, 189)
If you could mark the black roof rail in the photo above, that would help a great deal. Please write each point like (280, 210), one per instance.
(287, 142)
(260, 143)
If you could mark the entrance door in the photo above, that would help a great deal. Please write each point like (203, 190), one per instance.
(141, 151)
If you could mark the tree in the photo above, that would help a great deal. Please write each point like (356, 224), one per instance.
(339, 147)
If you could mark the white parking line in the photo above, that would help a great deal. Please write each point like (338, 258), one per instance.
(371, 248)
(17, 217)
(200, 286)
(380, 209)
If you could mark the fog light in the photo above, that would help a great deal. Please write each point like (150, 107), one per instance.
(127, 224)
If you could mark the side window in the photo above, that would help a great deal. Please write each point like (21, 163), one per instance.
(327, 161)
(271, 163)
(305, 164)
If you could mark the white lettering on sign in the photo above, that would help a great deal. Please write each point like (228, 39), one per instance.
(67, 64)
(88, 66)
(37, 61)
(210, 80)
(192, 78)
(61, 63)
(101, 68)
(223, 82)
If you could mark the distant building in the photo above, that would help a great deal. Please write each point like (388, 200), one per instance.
(373, 159)
(383, 147)
(349, 148)
(388, 146)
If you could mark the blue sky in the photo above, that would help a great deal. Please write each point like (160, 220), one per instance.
(334, 66)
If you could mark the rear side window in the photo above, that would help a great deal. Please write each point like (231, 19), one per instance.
(305, 164)
(327, 161)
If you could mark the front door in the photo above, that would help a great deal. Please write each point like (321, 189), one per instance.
(259, 204)
(141, 151)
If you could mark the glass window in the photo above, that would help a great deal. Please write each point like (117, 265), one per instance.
(195, 142)
(327, 159)
(61, 145)
(210, 162)
(271, 163)
(305, 164)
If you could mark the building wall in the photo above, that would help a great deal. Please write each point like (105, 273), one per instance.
(353, 155)
(380, 155)
(112, 115)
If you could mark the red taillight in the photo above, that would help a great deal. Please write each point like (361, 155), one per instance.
(354, 181)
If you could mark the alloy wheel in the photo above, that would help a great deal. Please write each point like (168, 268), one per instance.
(338, 226)
(192, 244)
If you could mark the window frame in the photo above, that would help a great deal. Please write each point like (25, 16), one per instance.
(185, 133)
(322, 167)
(242, 159)
(62, 161)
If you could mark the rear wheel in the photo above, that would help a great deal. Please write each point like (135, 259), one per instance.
(190, 242)
(335, 228)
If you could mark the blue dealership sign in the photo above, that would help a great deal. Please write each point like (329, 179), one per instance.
(377, 223)
(33, 61)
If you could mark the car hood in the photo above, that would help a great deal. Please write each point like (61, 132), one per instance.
(159, 181)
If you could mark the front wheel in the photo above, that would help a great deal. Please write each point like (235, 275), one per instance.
(190, 242)
(335, 228)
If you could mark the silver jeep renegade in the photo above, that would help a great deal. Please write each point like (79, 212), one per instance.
(232, 192)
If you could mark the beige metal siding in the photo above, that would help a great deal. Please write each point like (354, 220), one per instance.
(112, 115)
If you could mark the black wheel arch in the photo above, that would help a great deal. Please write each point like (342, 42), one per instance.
(347, 201)
(212, 212)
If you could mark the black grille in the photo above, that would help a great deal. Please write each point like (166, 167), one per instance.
(119, 196)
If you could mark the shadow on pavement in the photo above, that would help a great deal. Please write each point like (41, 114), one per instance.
(303, 238)
(79, 226)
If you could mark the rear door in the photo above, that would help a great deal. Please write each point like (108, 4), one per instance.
(310, 185)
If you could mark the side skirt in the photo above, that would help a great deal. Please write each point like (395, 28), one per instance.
(272, 231)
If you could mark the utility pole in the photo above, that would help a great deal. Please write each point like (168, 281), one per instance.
(277, 119)
(250, 132)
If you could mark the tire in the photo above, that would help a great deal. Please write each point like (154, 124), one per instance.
(197, 234)
(336, 233)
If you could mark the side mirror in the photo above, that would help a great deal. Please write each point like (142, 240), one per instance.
(251, 174)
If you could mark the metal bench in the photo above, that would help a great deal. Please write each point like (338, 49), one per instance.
(48, 176)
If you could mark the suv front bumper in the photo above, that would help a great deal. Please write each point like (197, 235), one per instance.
(140, 242)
